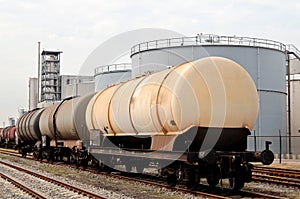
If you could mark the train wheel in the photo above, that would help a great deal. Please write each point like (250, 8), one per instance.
(237, 183)
(247, 169)
(214, 178)
(193, 179)
(72, 159)
(171, 178)
(36, 155)
(84, 164)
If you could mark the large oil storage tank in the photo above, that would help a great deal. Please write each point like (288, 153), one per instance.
(111, 74)
(264, 60)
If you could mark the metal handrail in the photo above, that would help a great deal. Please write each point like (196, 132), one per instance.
(113, 67)
(293, 48)
(208, 39)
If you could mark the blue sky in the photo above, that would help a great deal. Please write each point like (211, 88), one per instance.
(77, 27)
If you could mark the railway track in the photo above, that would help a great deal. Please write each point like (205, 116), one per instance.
(200, 191)
(22, 186)
(74, 189)
(278, 176)
(15, 153)
(204, 190)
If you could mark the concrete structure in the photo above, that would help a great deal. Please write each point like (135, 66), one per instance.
(11, 121)
(72, 85)
(295, 103)
(295, 113)
(50, 72)
(295, 66)
(294, 89)
(33, 93)
(265, 61)
(111, 74)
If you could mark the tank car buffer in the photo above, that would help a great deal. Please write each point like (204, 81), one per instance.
(192, 121)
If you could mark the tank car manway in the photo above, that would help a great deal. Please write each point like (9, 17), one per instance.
(56, 182)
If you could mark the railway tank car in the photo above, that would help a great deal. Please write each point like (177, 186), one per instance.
(65, 120)
(54, 132)
(192, 119)
(8, 137)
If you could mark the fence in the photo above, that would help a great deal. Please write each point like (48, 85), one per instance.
(208, 39)
(279, 142)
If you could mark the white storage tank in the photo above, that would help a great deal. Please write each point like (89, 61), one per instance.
(264, 60)
(108, 75)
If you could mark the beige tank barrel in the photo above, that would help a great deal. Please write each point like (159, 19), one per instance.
(46, 121)
(65, 120)
(210, 92)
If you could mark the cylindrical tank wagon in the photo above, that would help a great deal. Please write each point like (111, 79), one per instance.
(27, 126)
(59, 125)
(201, 93)
(65, 120)
(8, 137)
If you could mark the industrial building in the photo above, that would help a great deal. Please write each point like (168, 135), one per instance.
(51, 87)
(33, 93)
(73, 85)
(295, 105)
(49, 78)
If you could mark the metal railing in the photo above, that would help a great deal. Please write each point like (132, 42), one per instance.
(113, 67)
(294, 49)
(208, 39)
(278, 142)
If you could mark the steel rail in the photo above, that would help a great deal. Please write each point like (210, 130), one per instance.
(180, 189)
(59, 183)
(22, 186)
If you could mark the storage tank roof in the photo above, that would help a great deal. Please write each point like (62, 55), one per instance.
(208, 39)
(113, 68)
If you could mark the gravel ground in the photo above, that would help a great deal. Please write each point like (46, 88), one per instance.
(8, 190)
(116, 188)
(103, 185)
(273, 190)
(42, 187)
